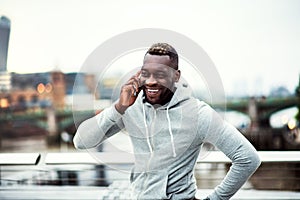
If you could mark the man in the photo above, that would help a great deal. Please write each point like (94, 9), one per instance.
(167, 128)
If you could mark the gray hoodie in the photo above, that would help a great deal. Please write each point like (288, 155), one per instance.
(166, 144)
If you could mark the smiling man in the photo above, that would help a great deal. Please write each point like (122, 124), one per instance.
(167, 127)
(158, 75)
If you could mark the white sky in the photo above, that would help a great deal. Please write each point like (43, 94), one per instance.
(255, 44)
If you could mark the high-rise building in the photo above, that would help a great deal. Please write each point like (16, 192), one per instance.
(5, 82)
(4, 39)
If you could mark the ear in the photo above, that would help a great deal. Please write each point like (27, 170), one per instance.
(177, 75)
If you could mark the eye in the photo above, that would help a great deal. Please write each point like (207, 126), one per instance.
(144, 74)
(160, 75)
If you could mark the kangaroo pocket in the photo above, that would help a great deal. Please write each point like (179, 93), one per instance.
(179, 184)
(150, 185)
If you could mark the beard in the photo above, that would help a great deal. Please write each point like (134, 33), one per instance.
(157, 95)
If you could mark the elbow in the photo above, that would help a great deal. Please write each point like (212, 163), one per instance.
(250, 162)
(87, 135)
(257, 161)
(254, 160)
(77, 141)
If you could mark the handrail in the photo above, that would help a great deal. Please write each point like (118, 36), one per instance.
(265, 156)
(128, 158)
(19, 158)
(95, 158)
(89, 158)
(77, 170)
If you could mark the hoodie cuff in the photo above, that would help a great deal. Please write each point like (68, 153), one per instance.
(113, 114)
(212, 196)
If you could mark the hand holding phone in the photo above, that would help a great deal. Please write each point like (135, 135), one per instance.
(129, 93)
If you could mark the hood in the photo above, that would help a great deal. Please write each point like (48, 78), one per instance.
(183, 92)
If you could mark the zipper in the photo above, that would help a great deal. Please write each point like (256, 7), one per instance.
(151, 153)
(152, 130)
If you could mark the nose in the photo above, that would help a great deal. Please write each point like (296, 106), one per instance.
(151, 80)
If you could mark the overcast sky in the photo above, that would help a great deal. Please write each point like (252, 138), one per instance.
(255, 44)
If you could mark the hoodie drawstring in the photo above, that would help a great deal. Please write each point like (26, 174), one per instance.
(147, 131)
(171, 133)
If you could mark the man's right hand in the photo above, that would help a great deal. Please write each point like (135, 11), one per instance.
(129, 93)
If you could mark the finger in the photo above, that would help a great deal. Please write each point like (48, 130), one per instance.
(135, 81)
(137, 78)
(135, 90)
(131, 87)
(138, 74)
(134, 87)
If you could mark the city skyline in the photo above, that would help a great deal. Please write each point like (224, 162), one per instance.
(255, 45)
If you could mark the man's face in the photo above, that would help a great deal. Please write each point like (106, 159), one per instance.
(158, 79)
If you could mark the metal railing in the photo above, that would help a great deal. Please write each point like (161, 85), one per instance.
(83, 171)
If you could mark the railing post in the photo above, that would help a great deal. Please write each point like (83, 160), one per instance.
(52, 126)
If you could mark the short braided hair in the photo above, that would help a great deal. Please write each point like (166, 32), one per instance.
(164, 49)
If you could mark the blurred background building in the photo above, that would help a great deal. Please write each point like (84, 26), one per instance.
(4, 41)
(4, 38)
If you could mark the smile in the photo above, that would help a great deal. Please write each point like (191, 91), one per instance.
(152, 90)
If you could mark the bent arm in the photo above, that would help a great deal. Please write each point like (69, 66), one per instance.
(95, 130)
(234, 145)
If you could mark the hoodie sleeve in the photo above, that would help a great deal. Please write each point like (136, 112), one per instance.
(95, 130)
(235, 146)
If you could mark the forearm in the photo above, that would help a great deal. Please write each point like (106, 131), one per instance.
(95, 130)
(245, 161)
(244, 164)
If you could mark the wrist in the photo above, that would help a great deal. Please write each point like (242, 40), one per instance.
(120, 108)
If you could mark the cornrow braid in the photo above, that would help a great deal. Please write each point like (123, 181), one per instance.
(163, 49)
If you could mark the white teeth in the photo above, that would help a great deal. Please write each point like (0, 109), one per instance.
(151, 90)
